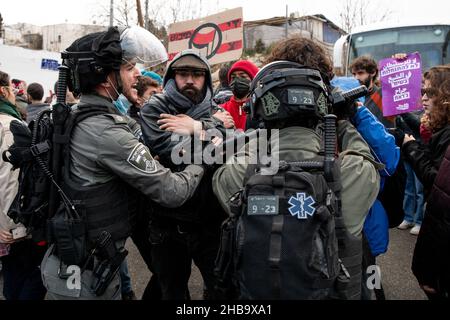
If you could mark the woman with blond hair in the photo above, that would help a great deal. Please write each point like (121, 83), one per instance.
(431, 261)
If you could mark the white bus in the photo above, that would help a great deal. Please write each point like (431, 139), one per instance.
(382, 40)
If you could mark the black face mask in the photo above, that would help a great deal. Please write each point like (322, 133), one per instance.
(240, 87)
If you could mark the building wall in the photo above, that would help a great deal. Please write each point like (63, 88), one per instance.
(34, 40)
(60, 36)
(20, 34)
(310, 28)
(267, 34)
(54, 37)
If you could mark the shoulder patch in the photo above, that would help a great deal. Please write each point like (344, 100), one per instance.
(141, 159)
(117, 118)
(270, 104)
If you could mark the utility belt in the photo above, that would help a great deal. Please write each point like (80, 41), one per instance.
(104, 260)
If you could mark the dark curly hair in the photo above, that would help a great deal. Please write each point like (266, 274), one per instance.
(366, 63)
(144, 83)
(439, 78)
(304, 51)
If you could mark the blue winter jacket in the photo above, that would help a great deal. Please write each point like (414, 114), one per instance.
(382, 144)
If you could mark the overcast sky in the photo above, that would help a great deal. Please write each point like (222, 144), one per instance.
(45, 12)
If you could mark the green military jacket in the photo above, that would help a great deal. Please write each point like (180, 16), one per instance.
(359, 171)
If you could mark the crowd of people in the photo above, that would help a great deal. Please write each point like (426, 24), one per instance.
(130, 171)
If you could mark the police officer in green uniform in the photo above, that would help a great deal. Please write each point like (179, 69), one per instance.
(299, 140)
(107, 164)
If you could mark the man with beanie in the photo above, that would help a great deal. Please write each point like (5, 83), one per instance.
(190, 232)
(240, 75)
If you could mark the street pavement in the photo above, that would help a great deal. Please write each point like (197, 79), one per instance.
(396, 277)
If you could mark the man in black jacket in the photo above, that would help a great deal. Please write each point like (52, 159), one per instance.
(190, 232)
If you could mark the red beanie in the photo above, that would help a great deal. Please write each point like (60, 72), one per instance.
(244, 65)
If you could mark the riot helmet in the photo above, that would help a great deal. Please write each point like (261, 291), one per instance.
(287, 90)
(141, 46)
(92, 57)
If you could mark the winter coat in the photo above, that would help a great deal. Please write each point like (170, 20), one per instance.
(384, 149)
(235, 109)
(409, 123)
(382, 145)
(9, 182)
(431, 259)
(426, 159)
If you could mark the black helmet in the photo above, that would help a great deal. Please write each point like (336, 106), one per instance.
(92, 57)
(284, 89)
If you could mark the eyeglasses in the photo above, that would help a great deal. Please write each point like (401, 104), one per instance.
(195, 74)
(430, 92)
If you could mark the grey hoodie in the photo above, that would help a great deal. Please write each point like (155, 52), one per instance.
(170, 74)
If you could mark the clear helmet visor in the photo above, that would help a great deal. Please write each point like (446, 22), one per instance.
(142, 47)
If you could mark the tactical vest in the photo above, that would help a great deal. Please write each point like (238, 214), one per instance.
(104, 207)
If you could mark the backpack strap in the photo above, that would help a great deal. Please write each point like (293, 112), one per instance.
(275, 254)
(275, 242)
(73, 120)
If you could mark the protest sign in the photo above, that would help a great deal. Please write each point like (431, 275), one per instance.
(400, 84)
(217, 37)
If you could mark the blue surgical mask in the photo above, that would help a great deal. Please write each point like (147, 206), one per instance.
(122, 104)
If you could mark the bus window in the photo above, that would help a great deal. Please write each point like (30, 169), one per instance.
(429, 41)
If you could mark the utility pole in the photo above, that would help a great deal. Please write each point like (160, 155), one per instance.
(146, 15)
(139, 13)
(286, 28)
(111, 13)
(1, 28)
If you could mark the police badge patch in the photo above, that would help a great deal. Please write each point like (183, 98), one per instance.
(141, 159)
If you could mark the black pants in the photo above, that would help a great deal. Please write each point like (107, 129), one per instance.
(140, 239)
(21, 273)
(173, 250)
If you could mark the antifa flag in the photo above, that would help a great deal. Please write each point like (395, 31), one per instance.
(217, 37)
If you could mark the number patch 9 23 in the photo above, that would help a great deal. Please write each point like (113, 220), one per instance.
(262, 205)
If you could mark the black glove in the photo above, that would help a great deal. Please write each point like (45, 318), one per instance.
(19, 152)
(398, 134)
(240, 87)
(345, 111)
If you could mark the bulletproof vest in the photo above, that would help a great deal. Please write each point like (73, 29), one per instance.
(104, 207)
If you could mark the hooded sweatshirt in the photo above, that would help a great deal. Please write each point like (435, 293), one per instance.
(171, 101)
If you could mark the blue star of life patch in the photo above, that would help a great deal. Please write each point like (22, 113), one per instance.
(301, 206)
